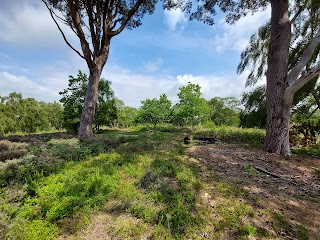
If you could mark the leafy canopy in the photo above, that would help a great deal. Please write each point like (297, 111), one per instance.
(155, 110)
(192, 108)
(225, 111)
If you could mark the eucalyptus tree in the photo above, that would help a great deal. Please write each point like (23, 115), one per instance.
(297, 54)
(95, 23)
(283, 79)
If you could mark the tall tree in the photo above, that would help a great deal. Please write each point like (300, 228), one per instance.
(292, 63)
(192, 108)
(98, 21)
(282, 84)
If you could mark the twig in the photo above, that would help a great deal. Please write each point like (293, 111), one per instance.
(267, 172)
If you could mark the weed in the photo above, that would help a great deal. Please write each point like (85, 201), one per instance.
(250, 170)
(247, 230)
(141, 179)
(250, 136)
(280, 223)
(302, 233)
(262, 232)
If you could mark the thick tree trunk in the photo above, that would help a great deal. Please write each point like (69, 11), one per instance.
(88, 111)
(278, 111)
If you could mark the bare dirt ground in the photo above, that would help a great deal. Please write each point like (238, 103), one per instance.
(294, 191)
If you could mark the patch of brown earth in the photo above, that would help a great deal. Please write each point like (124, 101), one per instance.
(293, 192)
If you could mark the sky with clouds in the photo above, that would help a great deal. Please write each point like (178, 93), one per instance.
(163, 54)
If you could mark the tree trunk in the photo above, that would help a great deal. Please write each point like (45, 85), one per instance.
(95, 66)
(278, 111)
(88, 111)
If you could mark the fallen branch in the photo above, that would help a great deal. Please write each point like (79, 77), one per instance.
(267, 172)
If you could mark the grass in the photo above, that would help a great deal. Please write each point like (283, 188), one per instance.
(312, 151)
(139, 178)
(251, 136)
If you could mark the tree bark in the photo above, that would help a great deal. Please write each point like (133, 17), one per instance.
(278, 111)
(88, 111)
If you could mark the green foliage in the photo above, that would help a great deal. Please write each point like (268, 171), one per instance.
(225, 111)
(155, 111)
(255, 55)
(313, 151)
(27, 115)
(73, 99)
(126, 115)
(191, 109)
(42, 161)
(141, 183)
(255, 112)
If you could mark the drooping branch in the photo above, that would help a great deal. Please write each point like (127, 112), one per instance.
(127, 18)
(62, 33)
(307, 54)
(299, 83)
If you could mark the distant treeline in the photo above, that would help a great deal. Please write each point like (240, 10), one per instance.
(27, 115)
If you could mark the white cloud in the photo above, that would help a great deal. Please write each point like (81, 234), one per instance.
(31, 25)
(128, 85)
(42, 81)
(153, 66)
(21, 84)
(175, 18)
(237, 36)
(132, 88)
(216, 86)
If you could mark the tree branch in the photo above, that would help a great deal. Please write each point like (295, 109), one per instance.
(74, 12)
(92, 28)
(62, 33)
(296, 85)
(127, 18)
(104, 26)
(307, 54)
(301, 8)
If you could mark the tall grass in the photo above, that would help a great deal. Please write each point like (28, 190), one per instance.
(252, 136)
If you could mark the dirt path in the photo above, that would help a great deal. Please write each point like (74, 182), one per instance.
(293, 192)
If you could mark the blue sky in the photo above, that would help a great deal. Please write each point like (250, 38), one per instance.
(160, 56)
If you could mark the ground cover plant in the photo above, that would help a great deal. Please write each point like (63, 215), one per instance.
(146, 183)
